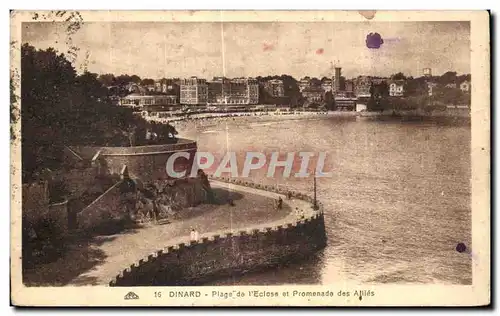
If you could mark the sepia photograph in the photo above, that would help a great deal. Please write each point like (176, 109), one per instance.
(250, 158)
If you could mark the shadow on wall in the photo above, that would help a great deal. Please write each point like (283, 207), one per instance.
(223, 196)
(56, 259)
(306, 271)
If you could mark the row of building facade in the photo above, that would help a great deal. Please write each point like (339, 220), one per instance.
(237, 91)
(194, 91)
(245, 91)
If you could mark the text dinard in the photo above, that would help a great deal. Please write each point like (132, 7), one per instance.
(270, 294)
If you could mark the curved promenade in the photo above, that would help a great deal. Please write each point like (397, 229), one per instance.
(127, 253)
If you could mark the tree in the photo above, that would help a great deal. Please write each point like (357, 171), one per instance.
(329, 101)
(46, 79)
(292, 91)
(462, 78)
(61, 108)
(135, 79)
(122, 80)
(398, 76)
(448, 77)
(89, 85)
(315, 81)
(107, 80)
(147, 82)
(452, 96)
(415, 86)
(379, 92)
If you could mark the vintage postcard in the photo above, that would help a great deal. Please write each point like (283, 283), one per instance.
(250, 158)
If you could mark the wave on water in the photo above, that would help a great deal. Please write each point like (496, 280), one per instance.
(209, 131)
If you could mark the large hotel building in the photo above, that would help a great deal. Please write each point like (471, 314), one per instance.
(193, 91)
(275, 88)
(220, 90)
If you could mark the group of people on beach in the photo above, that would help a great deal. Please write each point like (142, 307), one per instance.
(199, 119)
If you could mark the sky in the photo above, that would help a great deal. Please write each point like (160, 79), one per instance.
(249, 49)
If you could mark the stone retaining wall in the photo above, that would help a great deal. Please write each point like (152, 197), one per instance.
(145, 162)
(224, 255)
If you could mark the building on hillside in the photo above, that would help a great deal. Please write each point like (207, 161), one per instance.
(169, 87)
(362, 86)
(193, 91)
(314, 94)
(235, 91)
(345, 101)
(465, 86)
(396, 88)
(304, 83)
(427, 72)
(133, 87)
(215, 90)
(253, 90)
(327, 85)
(138, 100)
(238, 92)
(157, 86)
(430, 87)
(275, 88)
(451, 85)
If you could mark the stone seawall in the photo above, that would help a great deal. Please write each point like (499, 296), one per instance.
(222, 255)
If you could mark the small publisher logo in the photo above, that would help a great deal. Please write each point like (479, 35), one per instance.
(131, 296)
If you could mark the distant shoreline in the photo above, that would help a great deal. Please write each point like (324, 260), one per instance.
(451, 113)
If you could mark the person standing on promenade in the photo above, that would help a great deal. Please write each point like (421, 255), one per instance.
(194, 236)
(280, 203)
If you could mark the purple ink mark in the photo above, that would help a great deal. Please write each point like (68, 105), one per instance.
(374, 40)
(461, 247)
